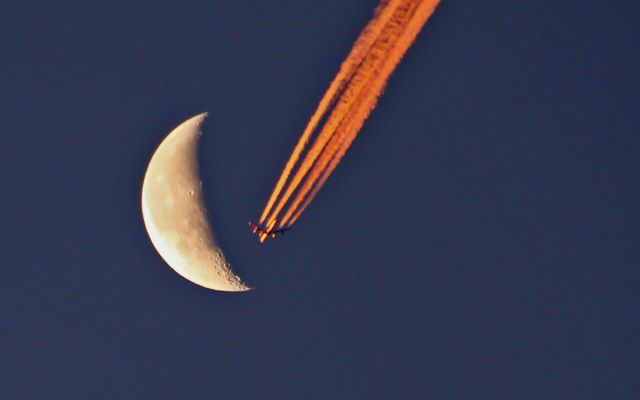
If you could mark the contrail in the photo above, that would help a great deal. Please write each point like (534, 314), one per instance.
(352, 94)
(346, 99)
(386, 54)
(347, 69)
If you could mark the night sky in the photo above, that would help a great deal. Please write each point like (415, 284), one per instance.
(480, 240)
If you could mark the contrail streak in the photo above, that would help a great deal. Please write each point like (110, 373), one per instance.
(383, 62)
(352, 94)
(346, 99)
(347, 69)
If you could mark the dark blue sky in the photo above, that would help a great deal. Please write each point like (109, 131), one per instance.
(479, 240)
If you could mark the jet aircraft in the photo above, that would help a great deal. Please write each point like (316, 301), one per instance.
(265, 233)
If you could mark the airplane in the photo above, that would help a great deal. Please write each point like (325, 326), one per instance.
(265, 233)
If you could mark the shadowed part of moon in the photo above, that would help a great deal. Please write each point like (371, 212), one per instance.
(175, 215)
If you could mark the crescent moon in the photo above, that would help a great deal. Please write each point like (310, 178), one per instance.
(175, 215)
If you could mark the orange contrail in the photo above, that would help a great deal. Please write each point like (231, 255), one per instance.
(360, 111)
(352, 94)
(345, 101)
(335, 159)
(369, 89)
(348, 67)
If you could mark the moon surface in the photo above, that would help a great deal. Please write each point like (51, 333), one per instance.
(175, 215)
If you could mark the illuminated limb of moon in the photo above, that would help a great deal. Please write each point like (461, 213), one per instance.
(175, 215)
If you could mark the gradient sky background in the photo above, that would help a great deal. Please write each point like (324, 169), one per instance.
(480, 239)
